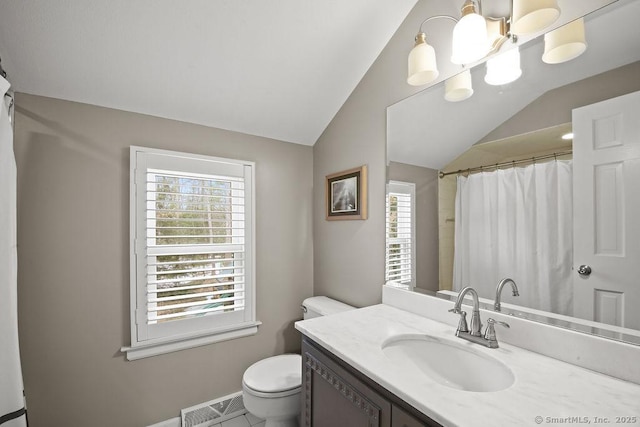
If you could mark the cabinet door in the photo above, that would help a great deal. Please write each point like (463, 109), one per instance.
(400, 418)
(332, 397)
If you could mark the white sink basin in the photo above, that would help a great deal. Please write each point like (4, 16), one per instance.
(457, 365)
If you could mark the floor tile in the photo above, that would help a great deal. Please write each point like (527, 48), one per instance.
(260, 424)
(240, 421)
(253, 420)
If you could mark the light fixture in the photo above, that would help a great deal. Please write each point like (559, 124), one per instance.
(530, 16)
(470, 37)
(423, 68)
(459, 87)
(565, 43)
(567, 136)
(503, 68)
(475, 37)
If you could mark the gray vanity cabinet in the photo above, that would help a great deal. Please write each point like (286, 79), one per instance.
(335, 394)
(400, 418)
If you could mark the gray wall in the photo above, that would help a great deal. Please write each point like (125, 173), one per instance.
(426, 181)
(554, 107)
(73, 246)
(349, 255)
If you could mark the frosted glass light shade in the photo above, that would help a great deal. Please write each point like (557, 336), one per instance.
(566, 43)
(530, 16)
(459, 87)
(504, 68)
(470, 39)
(423, 68)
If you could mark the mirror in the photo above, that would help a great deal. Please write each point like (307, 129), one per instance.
(498, 124)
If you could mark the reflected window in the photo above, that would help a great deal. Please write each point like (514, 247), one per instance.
(400, 235)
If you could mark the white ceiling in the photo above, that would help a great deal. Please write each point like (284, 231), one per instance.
(275, 68)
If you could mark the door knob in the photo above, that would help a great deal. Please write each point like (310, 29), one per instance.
(584, 270)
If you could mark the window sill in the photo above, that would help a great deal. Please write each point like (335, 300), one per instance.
(142, 350)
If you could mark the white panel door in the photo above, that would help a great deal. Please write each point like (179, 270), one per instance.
(606, 152)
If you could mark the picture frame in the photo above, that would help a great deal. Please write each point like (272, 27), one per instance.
(346, 194)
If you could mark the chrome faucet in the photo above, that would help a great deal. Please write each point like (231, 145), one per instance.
(475, 334)
(514, 290)
(476, 324)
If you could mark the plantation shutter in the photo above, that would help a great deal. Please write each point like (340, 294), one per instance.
(193, 249)
(400, 235)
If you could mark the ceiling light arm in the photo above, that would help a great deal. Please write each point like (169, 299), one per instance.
(437, 17)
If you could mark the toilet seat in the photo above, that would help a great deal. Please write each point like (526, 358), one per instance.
(276, 376)
(274, 395)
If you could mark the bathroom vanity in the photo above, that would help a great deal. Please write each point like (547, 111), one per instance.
(386, 366)
(336, 394)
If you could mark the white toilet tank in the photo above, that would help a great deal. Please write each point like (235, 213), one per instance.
(322, 306)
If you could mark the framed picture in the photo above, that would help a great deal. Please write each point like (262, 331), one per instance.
(346, 194)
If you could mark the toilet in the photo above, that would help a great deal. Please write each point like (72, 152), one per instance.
(271, 387)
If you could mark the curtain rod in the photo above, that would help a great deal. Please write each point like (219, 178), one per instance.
(511, 163)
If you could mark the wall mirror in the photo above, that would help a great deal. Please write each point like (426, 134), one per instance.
(521, 121)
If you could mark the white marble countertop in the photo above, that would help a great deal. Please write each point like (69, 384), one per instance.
(558, 392)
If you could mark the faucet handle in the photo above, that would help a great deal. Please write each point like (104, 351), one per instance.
(491, 321)
(490, 332)
(462, 324)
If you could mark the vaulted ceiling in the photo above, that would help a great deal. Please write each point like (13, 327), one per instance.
(279, 69)
(274, 68)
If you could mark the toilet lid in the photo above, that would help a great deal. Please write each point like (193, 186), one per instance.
(275, 374)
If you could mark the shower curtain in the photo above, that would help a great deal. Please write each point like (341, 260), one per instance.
(12, 408)
(517, 223)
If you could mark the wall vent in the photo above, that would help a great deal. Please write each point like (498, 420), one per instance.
(214, 412)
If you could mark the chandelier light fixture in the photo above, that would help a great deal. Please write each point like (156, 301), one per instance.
(459, 87)
(565, 43)
(422, 62)
(470, 37)
(504, 68)
(530, 16)
(423, 68)
(475, 37)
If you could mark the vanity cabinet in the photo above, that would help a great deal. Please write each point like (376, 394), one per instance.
(401, 418)
(335, 394)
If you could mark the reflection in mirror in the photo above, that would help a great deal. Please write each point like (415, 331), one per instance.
(519, 127)
(411, 195)
(432, 58)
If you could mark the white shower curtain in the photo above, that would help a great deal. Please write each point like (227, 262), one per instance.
(517, 223)
(12, 412)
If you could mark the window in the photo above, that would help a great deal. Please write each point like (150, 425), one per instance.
(400, 235)
(192, 251)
